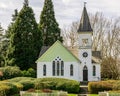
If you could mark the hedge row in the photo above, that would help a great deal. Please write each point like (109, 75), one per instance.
(14, 71)
(8, 89)
(13, 86)
(95, 87)
(70, 86)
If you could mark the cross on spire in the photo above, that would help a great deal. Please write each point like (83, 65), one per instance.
(25, 2)
(85, 4)
(85, 25)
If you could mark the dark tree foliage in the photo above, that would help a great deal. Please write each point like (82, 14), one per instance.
(1, 45)
(25, 39)
(8, 35)
(48, 24)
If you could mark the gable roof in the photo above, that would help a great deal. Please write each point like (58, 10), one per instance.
(85, 25)
(43, 50)
(57, 49)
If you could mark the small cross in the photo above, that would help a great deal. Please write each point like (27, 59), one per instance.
(85, 4)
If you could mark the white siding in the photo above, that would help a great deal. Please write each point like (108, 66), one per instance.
(76, 70)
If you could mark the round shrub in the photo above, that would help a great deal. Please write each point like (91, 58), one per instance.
(10, 72)
(95, 87)
(29, 73)
(116, 85)
(70, 86)
(18, 85)
(4, 90)
(27, 84)
(8, 88)
(18, 79)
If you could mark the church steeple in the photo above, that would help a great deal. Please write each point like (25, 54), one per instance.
(85, 25)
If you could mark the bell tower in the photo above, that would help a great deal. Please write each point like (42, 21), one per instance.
(85, 44)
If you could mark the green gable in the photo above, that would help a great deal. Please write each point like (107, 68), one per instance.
(57, 49)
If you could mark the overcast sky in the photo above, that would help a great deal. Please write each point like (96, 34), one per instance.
(66, 11)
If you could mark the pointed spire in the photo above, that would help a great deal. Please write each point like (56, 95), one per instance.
(26, 3)
(85, 25)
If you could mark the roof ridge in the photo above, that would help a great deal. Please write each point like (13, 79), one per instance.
(64, 48)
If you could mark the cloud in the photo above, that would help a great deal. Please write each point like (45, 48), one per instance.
(3, 5)
(66, 11)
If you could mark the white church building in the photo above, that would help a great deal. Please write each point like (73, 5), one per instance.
(80, 63)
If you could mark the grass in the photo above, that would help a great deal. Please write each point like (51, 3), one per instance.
(93, 95)
(88, 95)
(72, 94)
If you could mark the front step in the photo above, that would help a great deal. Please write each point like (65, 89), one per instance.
(83, 89)
(84, 83)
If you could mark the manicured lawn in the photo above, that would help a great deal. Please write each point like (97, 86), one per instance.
(88, 95)
(72, 94)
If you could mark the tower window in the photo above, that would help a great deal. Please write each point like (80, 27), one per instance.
(94, 71)
(85, 42)
(71, 70)
(44, 70)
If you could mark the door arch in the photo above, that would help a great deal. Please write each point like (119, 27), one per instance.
(85, 73)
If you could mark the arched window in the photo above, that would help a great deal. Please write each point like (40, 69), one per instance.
(94, 70)
(62, 68)
(85, 68)
(53, 68)
(58, 66)
(71, 70)
(44, 70)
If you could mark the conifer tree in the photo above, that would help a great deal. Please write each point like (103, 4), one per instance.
(48, 24)
(1, 45)
(25, 39)
(8, 36)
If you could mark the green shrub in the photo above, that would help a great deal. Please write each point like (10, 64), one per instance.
(114, 94)
(4, 89)
(10, 72)
(70, 86)
(8, 88)
(27, 84)
(12, 88)
(18, 79)
(18, 85)
(95, 87)
(29, 73)
(116, 85)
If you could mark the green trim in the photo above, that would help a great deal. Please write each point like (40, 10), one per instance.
(57, 49)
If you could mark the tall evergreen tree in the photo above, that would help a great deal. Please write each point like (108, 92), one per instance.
(1, 45)
(48, 24)
(8, 34)
(25, 39)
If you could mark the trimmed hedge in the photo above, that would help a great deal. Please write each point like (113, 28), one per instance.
(70, 86)
(7, 88)
(13, 86)
(95, 87)
(26, 82)
(9, 72)
(116, 85)
(109, 85)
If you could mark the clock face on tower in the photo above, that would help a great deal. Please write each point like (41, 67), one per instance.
(85, 54)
